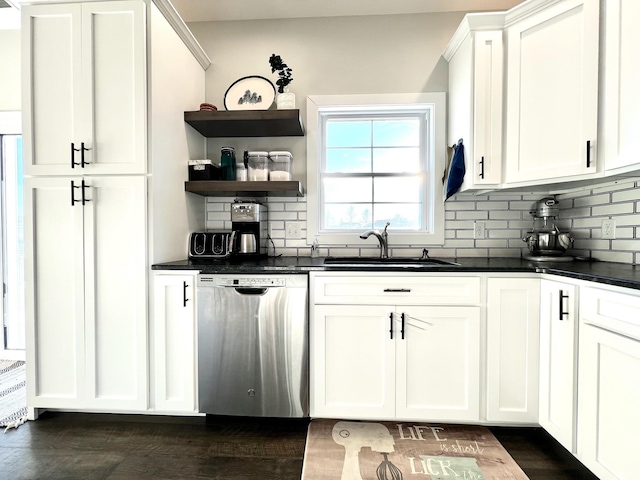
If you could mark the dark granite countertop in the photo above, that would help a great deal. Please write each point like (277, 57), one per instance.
(618, 274)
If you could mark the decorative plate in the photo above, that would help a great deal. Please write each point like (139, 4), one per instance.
(250, 93)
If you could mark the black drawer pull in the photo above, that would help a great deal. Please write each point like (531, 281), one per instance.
(397, 290)
(561, 312)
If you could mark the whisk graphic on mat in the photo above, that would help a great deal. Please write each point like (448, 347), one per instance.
(387, 470)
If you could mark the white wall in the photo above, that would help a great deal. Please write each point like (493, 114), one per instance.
(374, 54)
(9, 60)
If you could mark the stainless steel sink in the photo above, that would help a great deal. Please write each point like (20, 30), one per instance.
(408, 261)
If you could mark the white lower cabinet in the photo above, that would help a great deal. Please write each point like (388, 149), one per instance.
(396, 359)
(512, 349)
(174, 342)
(608, 387)
(558, 360)
(85, 283)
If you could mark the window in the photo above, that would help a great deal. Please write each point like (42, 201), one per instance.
(373, 159)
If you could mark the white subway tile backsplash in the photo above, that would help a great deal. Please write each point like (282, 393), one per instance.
(591, 200)
(505, 215)
(612, 209)
(474, 215)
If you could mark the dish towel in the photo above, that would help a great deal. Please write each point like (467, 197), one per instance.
(456, 170)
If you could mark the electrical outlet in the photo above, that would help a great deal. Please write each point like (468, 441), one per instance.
(479, 230)
(608, 228)
(294, 230)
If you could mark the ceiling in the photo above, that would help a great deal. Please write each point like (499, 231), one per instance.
(223, 10)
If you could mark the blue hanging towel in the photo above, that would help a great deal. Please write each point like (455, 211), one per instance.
(456, 170)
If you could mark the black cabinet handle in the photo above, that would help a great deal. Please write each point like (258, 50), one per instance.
(73, 155)
(82, 149)
(73, 197)
(561, 312)
(397, 290)
(184, 294)
(402, 326)
(482, 167)
(588, 153)
(83, 197)
(82, 160)
(391, 325)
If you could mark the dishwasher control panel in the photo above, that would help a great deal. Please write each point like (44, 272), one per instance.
(252, 281)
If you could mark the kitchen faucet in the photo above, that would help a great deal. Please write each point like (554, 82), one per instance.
(383, 238)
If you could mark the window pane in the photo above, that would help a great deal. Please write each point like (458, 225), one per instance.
(400, 133)
(400, 216)
(347, 190)
(348, 133)
(396, 160)
(397, 189)
(344, 216)
(348, 160)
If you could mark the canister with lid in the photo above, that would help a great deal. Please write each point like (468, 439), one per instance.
(280, 165)
(258, 166)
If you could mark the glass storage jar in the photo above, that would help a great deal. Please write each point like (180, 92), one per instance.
(280, 166)
(258, 166)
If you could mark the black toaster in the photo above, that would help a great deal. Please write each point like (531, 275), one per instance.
(216, 244)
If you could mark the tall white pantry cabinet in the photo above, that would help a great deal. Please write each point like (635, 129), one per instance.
(95, 165)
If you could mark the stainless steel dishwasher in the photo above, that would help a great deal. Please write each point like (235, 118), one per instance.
(253, 345)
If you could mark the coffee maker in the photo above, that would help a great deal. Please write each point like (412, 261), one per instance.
(250, 226)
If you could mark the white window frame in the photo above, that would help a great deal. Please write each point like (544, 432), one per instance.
(436, 102)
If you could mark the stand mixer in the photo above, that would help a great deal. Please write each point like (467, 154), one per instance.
(545, 241)
(353, 436)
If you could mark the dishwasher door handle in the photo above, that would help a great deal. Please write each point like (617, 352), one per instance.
(250, 290)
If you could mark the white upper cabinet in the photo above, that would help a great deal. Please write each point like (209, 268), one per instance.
(476, 62)
(84, 110)
(552, 92)
(621, 117)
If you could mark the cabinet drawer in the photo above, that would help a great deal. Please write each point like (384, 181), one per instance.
(613, 310)
(394, 290)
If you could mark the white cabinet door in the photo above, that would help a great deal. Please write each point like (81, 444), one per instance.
(608, 399)
(552, 93)
(621, 124)
(87, 72)
(558, 360)
(174, 342)
(475, 106)
(116, 292)
(513, 313)
(438, 363)
(352, 362)
(54, 290)
(86, 291)
(608, 387)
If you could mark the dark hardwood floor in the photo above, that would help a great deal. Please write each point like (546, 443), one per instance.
(73, 446)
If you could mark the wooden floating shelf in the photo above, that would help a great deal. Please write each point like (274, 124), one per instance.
(222, 188)
(247, 123)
